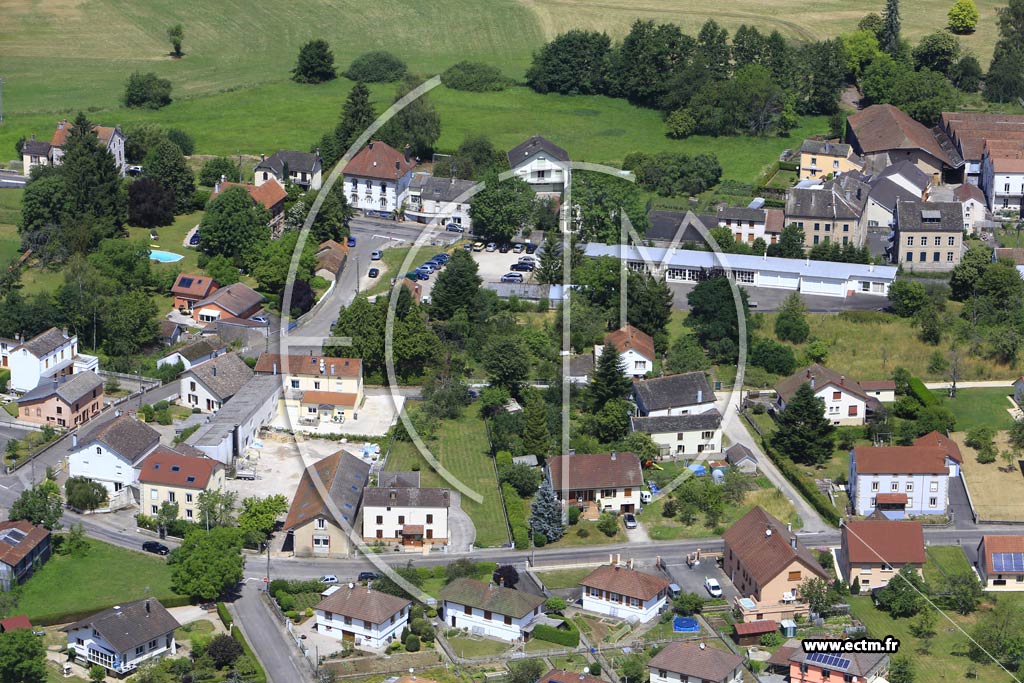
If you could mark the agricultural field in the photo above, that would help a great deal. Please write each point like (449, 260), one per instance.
(995, 492)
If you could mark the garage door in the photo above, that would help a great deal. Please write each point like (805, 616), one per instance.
(824, 286)
(778, 280)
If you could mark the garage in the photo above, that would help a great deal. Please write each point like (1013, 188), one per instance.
(779, 280)
(823, 286)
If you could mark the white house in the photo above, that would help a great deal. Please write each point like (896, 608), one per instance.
(111, 455)
(236, 426)
(1001, 562)
(689, 662)
(301, 168)
(488, 610)
(947, 446)
(748, 224)
(687, 393)
(195, 353)
(362, 615)
(973, 200)
(846, 402)
(110, 139)
(542, 164)
(377, 178)
(413, 517)
(683, 434)
(440, 200)
(597, 481)
(635, 347)
(1002, 175)
(899, 480)
(121, 638)
(209, 385)
(625, 593)
(53, 353)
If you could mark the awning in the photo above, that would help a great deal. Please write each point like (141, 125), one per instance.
(412, 530)
(891, 499)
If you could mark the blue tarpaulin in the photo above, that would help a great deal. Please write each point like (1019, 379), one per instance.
(685, 625)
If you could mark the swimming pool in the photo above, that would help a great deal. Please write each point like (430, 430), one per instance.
(164, 256)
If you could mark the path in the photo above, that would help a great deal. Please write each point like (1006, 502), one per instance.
(460, 527)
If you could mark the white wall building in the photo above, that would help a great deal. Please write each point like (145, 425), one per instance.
(362, 615)
(1002, 176)
(683, 434)
(53, 353)
(846, 402)
(377, 178)
(689, 662)
(899, 480)
(440, 200)
(606, 481)
(488, 610)
(236, 426)
(123, 637)
(624, 593)
(687, 393)
(542, 164)
(413, 517)
(111, 456)
(209, 385)
(635, 347)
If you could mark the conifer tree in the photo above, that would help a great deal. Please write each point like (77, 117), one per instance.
(546, 513)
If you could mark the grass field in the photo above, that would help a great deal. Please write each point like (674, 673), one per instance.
(461, 447)
(943, 561)
(563, 578)
(107, 575)
(979, 408)
(664, 529)
(466, 646)
(996, 494)
(10, 214)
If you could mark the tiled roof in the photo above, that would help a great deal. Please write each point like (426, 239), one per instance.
(60, 135)
(755, 627)
(891, 499)
(69, 388)
(629, 337)
(671, 391)
(168, 468)
(329, 398)
(929, 217)
(343, 476)
(531, 146)
(909, 172)
(130, 625)
(236, 299)
(774, 220)
(883, 127)
(268, 194)
(485, 596)
(223, 375)
(861, 663)
(740, 213)
(664, 225)
(937, 440)
(399, 479)
(826, 202)
(379, 160)
(900, 460)
(563, 676)
(45, 342)
(363, 603)
(14, 623)
(595, 470)
(127, 437)
(11, 553)
(737, 453)
(999, 544)
(822, 377)
(879, 385)
(970, 130)
(309, 365)
(189, 285)
(665, 424)
(824, 147)
(695, 661)
(441, 189)
(301, 162)
(200, 349)
(764, 555)
(406, 497)
(625, 581)
(38, 148)
(894, 542)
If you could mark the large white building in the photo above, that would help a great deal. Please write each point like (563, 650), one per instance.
(53, 353)
(542, 164)
(683, 434)
(846, 401)
(624, 593)
(823, 278)
(488, 610)
(111, 455)
(377, 178)
(441, 200)
(412, 517)
(121, 638)
(1002, 175)
(899, 480)
(209, 385)
(362, 615)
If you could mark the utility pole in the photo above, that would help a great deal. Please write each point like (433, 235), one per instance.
(1, 100)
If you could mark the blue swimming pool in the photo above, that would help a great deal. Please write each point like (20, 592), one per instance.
(164, 256)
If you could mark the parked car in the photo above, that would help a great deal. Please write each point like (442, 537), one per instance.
(454, 227)
(530, 248)
(527, 259)
(479, 246)
(367, 576)
(505, 248)
(422, 274)
(328, 578)
(712, 587)
(518, 248)
(629, 519)
(468, 246)
(194, 239)
(442, 257)
(374, 272)
(155, 548)
(491, 246)
(376, 255)
(512, 277)
(260, 318)
(351, 241)
(427, 267)
(522, 267)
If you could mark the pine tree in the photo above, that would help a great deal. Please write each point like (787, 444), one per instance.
(536, 436)
(95, 199)
(546, 513)
(610, 379)
(356, 116)
(804, 434)
(889, 39)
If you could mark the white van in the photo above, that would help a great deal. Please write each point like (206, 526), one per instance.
(646, 497)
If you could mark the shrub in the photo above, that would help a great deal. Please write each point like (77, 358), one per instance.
(412, 643)
(772, 639)
(474, 77)
(583, 532)
(568, 638)
(759, 409)
(223, 650)
(574, 514)
(376, 67)
(516, 516)
(146, 91)
(540, 540)
(608, 524)
(595, 668)
(225, 616)
(554, 604)
(921, 393)
(315, 63)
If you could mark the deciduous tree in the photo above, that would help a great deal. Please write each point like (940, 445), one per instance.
(791, 322)
(963, 16)
(166, 164)
(207, 565)
(146, 91)
(376, 67)
(686, 355)
(903, 596)
(574, 63)
(417, 124)
(234, 226)
(176, 35)
(84, 494)
(22, 657)
(150, 204)
(39, 505)
(501, 209)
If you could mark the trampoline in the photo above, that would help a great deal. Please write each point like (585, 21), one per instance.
(685, 625)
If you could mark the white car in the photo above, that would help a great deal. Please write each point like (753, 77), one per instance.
(329, 578)
(712, 587)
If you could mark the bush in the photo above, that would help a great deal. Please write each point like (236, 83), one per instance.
(216, 167)
(225, 616)
(223, 650)
(922, 394)
(540, 540)
(474, 77)
(554, 604)
(516, 516)
(574, 514)
(772, 639)
(315, 63)
(376, 67)
(583, 532)
(147, 91)
(550, 634)
(595, 668)
(608, 524)
(412, 643)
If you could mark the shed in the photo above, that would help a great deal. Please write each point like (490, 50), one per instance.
(750, 633)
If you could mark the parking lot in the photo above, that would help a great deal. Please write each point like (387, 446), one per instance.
(692, 580)
(494, 264)
(279, 465)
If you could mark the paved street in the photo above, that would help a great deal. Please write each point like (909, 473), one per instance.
(769, 299)
(267, 636)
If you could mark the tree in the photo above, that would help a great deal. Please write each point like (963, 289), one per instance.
(223, 650)
(505, 575)
(167, 514)
(772, 356)
(166, 165)
(688, 604)
(686, 355)
(929, 324)
(376, 67)
(611, 422)
(213, 170)
(937, 51)
(861, 49)
(680, 124)
(216, 508)
(315, 63)
(176, 34)
(791, 322)
(964, 592)
(129, 322)
(258, 516)
(22, 657)
(1005, 79)
(963, 16)
(820, 72)
(500, 210)
(417, 125)
(610, 379)
(966, 74)
(234, 225)
(474, 77)
(39, 505)
(84, 494)
(804, 434)
(889, 36)
(146, 91)
(507, 363)
(903, 596)
(608, 524)
(357, 115)
(648, 54)
(907, 297)
(457, 287)
(150, 204)
(999, 634)
(546, 513)
(818, 594)
(966, 273)
(525, 670)
(649, 306)
(536, 435)
(713, 317)
(902, 670)
(871, 22)
(573, 63)
(790, 244)
(475, 159)
(207, 565)
(923, 627)
(271, 262)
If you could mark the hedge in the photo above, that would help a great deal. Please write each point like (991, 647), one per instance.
(570, 638)
(225, 615)
(516, 516)
(810, 492)
(261, 675)
(789, 165)
(67, 617)
(922, 394)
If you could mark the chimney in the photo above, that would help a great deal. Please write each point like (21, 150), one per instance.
(147, 608)
(406, 150)
(792, 542)
(842, 380)
(33, 136)
(398, 165)
(223, 178)
(332, 368)
(351, 585)
(614, 454)
(216, 188)
(263, 157)
(213, 370)
(370, 146)
(768, 533)
(789, 527)
(702, 646)
(812, 381)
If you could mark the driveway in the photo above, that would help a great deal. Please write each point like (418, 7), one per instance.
(692, 580)
(639, 534)
(960, 506)
(461, 531)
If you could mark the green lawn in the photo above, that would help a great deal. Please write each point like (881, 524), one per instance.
(477, 647)
(107, 575)
(10, 214)
(661, 528)
(593, 535)
(461, 447)
(979, 408)
(944, 560)
(563, 578)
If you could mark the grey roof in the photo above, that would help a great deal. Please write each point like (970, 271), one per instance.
(838, 149)
(741, 213)
(200, 349)
(223, 375)
(664, 225)
(127, 626)
(826, 203)
(737, 453)
(861, 663)
(528, 460)
(677, 423)
(45, 342)
(236, 299)
(485, 596)
(440, 189)
(307, 162)
(522, 290)
(910, 172)
(888, 193)
(532, 146)
(127, 437)
(39, 148)
(238, 410)
(673, 390)
(406, 497)
(929, 217)
(69, 388)
(401, 479)
(581, 365)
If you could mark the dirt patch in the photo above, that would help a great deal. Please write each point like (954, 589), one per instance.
(403, 662)
(995, 492)
(279, 466)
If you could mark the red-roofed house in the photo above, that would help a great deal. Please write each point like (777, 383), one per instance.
(944, 443)
(635, 347)
(884, 135)
(270, 195)
(318, 390)
(624, 592)
(872, 551)
(14, 623)
(377, 179)
(597, 481)
(899, 480)
(750, 633)
(166, 476)
(1001, 562)
(110, 138)
(189, 288)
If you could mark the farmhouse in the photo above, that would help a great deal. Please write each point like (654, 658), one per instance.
(811, 277)
(209, 385)
(49, 354)
(872, 551)
(597, 481)
(624, 593)
(748, 224)
(121, 638)
(974, 202)
(687, 393)
(928, 236)
(67, 401)
(682, 434)
(542, 164)
(635, 347)
(110, 138)
(969, 131)
(301, 168)
(822, 158)
(439, 201)
(362, 615)
(846, 402)
(687, 662)
(167, 476)
(35, 153)
(377, 178)
(409, 516)
(1001, 562)
(23, 548)
(313, 525)
(884, 135)
(899, 480)
(111, 454)
(489, 610)
(947, 446)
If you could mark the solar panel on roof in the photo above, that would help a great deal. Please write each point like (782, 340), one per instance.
(1008, 562)
(185, 282)
(830, 660)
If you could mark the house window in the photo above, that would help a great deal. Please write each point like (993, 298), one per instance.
(508, 620)
(401, 519)
(155, 509)
(894, 486)
(188, 514)
(316, 385)
(1006, 187)
(933, 487)
(951, 241)
(933, 502)
(707, 435)
(383, 202)
(937, 241)
(872, 503)
(910, 240)
(139, 650)
(170, 496)
(910, 486)
(153, 495)
(837, 395)
(487, 614)
(794, 576)
(949, 257)
(910, 256)
(815, 239)
(380, 519)
(542, 175)
(295, 384)
(188, 497)
(320, 523)
(835, 163)
(430, 519)
(852, 412)
(935, 256)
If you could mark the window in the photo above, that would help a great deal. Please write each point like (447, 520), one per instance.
(815, 239)
(542, 175)
(295, 384)
(910, 256)
(933, 502)
(937, 241)
(153, 495)
(707, 435)
(487, 614)
(320, 523)
(817, 226)
(853, 411)
(895, 486)
(933, 487)
(188, 514)
(949, 257)
(380, 519)
(837, 395)
(935, 256)
(910, 486)
(152, 644)
(951, 241)
(383, 202)
(872, 503)
(155, 509)
(1006, 187)
(508, 620)
(430, 519)
(794, 576)
(316, 385)
(835, 163)
(139, 650)
(401, 519)
(910, 240)
(814, 161)
(639, 364)
(188, 497)
(170, 496)
(192, 386)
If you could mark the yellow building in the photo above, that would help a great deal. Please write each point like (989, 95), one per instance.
(820, 159)
(166, 476)
(319, 526)
(317, 389)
